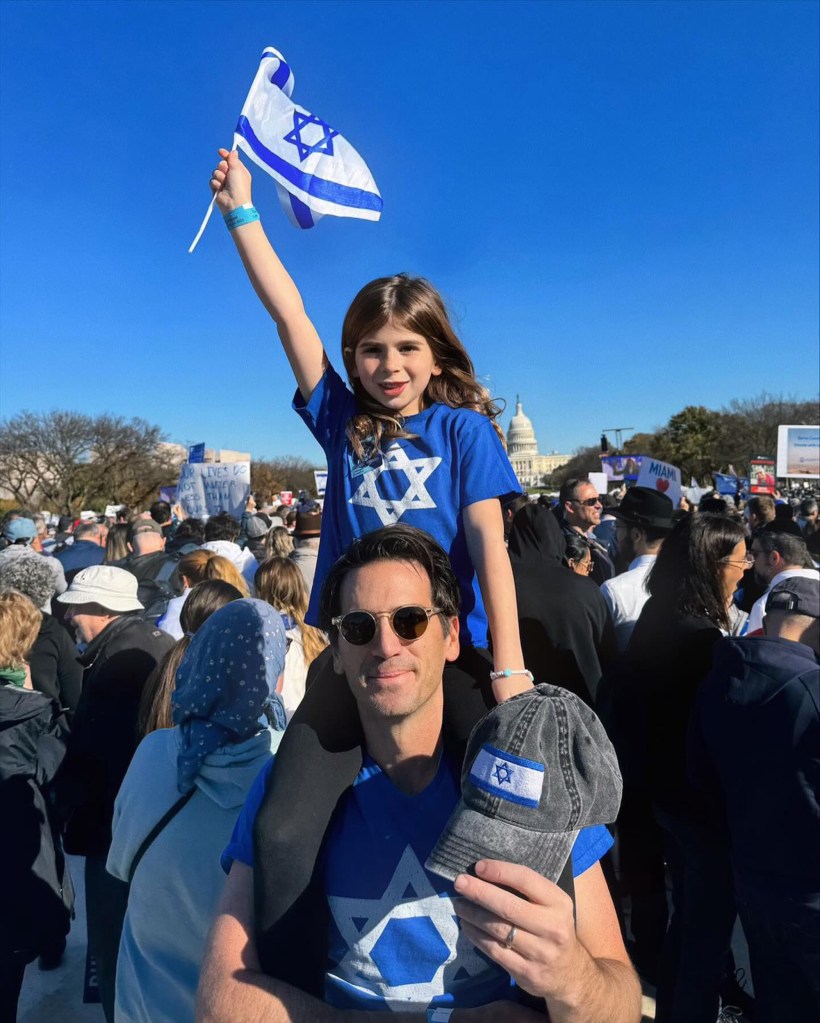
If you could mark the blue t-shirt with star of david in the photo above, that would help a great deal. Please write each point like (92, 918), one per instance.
(454, 459)
(394, 938)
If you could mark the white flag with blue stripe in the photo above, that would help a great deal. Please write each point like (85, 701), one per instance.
(316, 170)
(509, 776)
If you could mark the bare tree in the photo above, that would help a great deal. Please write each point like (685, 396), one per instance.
(289, 472)
(66, 461)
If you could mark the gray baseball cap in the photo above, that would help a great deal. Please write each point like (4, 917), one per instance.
(538, 768)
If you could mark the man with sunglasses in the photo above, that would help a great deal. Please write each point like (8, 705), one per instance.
(580, 509)
(389, 946)
(779, 551)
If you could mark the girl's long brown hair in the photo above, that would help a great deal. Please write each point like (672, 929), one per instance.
(280, 583)
(413, 304)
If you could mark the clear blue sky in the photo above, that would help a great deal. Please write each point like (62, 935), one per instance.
(618, 200)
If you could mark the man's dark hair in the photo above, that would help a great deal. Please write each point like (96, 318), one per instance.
(160, 511)
(789, 545)
(762, 506)
(222, 527)
(290, 517)
(190, 529)
(86, 529)
(569, 489)
(576, 546)
(515, 504)
(713, 505)
(783, 513)
(393, 543)
(686, 578)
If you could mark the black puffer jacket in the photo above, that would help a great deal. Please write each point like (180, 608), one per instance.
(36, 897)
(104, 731)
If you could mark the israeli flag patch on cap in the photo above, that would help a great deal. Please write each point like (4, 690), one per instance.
(508, 776)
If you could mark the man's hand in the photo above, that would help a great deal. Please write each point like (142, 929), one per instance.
(231, 181)
(545, 952)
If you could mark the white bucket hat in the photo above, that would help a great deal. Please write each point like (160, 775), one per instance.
(112, 588)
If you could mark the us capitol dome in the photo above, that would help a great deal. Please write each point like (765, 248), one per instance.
(522, 447)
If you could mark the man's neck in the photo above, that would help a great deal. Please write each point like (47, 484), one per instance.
(408, 751)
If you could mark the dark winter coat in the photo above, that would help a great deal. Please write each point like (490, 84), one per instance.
(104, 732)
(757, 740)
(567, 635)
(55, 669)
(36, 897)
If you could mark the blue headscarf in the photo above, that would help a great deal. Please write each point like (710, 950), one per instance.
(227, 681)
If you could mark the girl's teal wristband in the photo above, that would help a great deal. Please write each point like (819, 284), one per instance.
(439, 1015)
(246, 214)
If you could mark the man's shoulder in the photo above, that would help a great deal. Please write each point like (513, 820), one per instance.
(134, 633)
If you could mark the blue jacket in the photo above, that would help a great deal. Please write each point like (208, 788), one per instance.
(756, 743)
(81, 554)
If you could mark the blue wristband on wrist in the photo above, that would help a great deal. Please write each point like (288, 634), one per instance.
(439, 1015)
(246, 214)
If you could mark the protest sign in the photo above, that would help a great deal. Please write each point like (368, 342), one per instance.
(798, 451)
(621, 467)
(725, 484)
(598, 480)
(761, 475)
(286, 497)
(196, 453)
(660, 476)
(320, 479)
(207, 489)
(168, 494)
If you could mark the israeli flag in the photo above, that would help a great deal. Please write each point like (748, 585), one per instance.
(316, 170)
(508, 776)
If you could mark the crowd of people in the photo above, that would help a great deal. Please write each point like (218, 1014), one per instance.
(432, 748)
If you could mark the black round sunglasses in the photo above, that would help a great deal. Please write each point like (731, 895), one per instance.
(408, 622)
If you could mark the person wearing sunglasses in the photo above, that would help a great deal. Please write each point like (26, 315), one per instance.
(579, 511)
(778, 552)
(377, 932)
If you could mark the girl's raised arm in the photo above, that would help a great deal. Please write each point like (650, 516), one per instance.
(231, 181)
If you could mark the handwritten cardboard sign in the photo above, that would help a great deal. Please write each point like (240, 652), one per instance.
(660, 476)
(207, 489)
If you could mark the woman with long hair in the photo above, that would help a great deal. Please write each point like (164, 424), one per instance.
(116, 543)
(195, 568)
(228, 719)
(206, 597)
(280, 583)
(648, 704)
(278, 542)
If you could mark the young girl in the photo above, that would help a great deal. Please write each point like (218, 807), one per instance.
(415, 441)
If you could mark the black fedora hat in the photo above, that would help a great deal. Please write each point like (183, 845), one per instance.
(642, 506)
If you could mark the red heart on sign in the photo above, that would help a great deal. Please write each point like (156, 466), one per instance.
(662, 485)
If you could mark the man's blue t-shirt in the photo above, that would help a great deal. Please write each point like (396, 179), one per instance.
(394, 937)
(454, 459)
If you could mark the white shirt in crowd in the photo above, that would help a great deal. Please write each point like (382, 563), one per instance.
(758, 612)
(625, 596)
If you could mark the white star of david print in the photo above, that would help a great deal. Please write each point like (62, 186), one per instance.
(358, 965)
(417, 471)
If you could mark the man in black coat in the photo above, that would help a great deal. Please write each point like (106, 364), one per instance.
(756, 745)
(121, 652)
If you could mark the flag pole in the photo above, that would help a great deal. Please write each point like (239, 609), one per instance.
(208, 213)
(204, 224)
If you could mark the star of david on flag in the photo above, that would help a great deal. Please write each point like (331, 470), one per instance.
(316, 170)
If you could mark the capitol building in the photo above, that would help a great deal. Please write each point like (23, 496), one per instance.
(528, 465)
